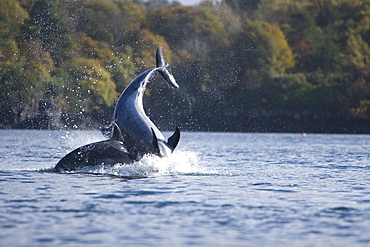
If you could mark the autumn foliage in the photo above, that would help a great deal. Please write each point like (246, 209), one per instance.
(260, 65)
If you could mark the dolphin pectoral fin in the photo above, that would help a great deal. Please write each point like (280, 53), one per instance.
(117, 134)
(155, 141)
(174, 139)
(164, 68)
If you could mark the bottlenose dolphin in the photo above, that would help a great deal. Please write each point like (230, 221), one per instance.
(134, 134)
(140, 134)
(108, 152)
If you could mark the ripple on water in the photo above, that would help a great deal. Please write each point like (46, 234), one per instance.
(237, 189)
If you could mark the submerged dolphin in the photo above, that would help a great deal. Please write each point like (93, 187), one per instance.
(140, 134)
(108, 152)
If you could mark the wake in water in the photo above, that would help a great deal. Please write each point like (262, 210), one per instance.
(180, 162)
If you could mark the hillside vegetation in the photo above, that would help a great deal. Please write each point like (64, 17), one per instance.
(259, 65)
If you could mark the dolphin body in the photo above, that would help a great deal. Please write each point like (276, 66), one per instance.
(140, 134)
(108, 152)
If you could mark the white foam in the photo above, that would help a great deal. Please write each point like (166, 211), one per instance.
(180, 162)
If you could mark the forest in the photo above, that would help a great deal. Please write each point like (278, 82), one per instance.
(257, 65)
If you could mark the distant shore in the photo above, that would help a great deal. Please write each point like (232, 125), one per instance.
(255, 124)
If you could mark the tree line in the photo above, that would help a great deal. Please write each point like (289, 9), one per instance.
(258, 65)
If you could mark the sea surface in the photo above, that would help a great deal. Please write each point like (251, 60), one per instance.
(218, 189)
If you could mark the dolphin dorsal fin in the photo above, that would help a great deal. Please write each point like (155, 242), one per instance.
(155, 141)
(174, 139)
(117, 135)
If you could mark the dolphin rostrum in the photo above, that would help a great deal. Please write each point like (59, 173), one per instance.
(108, 152)
(139, 132)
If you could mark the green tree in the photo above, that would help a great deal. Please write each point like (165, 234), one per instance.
(288, 94)
(243, 8)
(192, 29)
(12, 16)
(93, 82)
(262, 47)
(96, 19)
(45, 25)
(122, 68)
(130, 22)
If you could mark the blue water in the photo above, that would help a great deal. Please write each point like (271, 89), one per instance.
(218, 189)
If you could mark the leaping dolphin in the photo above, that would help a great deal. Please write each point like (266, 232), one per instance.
(108, 152)
(139, 132)
(134, 134)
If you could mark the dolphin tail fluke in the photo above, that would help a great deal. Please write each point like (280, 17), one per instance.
(164, 68)
(174, 139)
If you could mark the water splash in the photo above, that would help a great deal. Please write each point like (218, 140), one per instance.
(182, 162)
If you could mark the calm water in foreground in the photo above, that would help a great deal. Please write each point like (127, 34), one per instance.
(218, 189)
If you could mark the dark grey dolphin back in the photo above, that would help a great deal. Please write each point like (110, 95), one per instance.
(108, 152)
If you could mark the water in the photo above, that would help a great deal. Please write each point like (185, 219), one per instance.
(219, 189)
